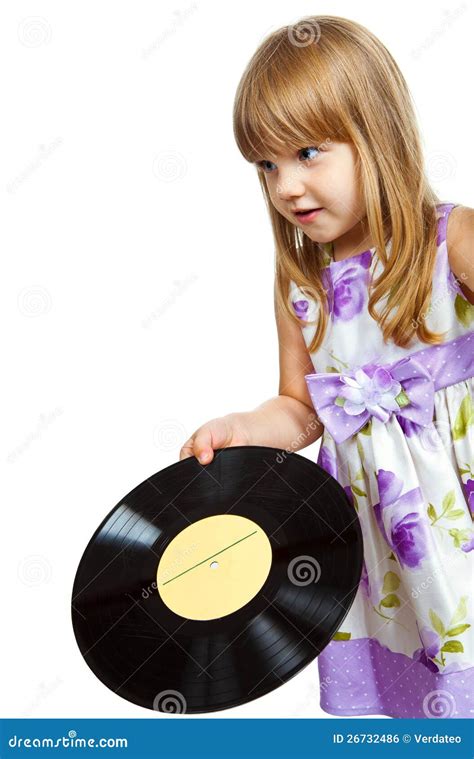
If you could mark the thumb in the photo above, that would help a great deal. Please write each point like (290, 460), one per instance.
(213, 435)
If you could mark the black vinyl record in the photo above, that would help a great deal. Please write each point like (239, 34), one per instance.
(208, 586)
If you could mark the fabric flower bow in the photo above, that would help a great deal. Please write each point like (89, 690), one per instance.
(346, 401)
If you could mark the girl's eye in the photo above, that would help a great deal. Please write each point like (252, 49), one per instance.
(266, 165)
(307, 150)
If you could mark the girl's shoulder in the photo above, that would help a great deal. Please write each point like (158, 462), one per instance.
(460, 248)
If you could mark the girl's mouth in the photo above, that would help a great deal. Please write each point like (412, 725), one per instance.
(305, 217)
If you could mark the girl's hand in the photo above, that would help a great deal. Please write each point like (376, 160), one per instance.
(222, 432)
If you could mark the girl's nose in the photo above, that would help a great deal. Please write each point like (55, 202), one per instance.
(290, 184)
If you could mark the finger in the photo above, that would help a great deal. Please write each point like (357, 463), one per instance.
(187, 449)
(203, 445)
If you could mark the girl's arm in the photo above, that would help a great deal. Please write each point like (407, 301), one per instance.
(289, 420)
(460, 246)
(282, 422)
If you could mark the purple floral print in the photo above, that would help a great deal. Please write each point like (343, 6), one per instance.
(407, 533)
(327, 461)
(349, 494)
(468, 545)
(364, 580)
(430, 648)
(408, 539)
(300, 308)
(409, 428)
(347, 291)
(469, 489)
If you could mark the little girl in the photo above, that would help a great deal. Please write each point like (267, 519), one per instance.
(374, 294)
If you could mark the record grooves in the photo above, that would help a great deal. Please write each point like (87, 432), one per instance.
(209, 586)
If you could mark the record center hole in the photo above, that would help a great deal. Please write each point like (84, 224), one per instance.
(214, 564)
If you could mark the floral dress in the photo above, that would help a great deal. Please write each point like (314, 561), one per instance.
(399, 437)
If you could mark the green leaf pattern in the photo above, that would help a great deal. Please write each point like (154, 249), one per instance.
(452, 630)
(390, 601)
(464, 311)
(450, 513)
(342, 636)
(464, 418)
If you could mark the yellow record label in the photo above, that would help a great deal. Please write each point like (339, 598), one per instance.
(214, 567)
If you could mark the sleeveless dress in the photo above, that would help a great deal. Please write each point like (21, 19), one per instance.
(399, 437)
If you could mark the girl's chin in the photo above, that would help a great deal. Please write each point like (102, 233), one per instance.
(320, 239)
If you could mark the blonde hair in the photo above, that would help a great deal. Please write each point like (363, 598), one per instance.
(328, 76)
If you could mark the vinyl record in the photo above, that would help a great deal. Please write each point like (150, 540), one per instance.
(209, 586)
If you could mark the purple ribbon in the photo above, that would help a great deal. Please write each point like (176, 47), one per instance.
(346, 401)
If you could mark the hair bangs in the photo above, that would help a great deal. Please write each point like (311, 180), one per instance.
(287, 103)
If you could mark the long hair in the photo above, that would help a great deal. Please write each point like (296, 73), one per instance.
(329, 77)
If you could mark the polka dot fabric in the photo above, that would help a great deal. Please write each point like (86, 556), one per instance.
(363, 672)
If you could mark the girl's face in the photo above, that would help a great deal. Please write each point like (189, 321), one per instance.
(325, 177)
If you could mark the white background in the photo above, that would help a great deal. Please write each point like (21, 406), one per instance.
(137, 279)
